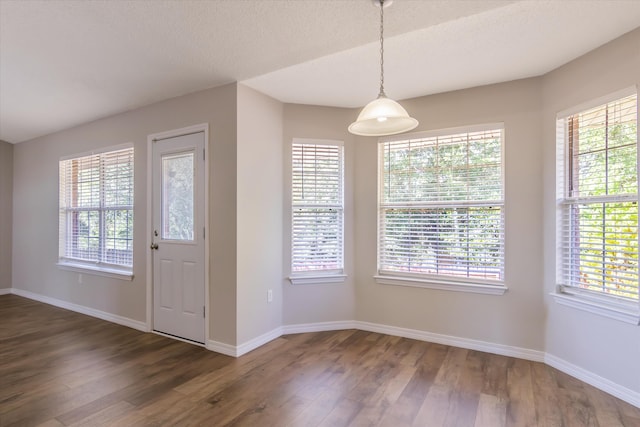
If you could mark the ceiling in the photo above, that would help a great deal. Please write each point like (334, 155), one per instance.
(67, 62)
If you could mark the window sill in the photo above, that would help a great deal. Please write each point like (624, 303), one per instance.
(317, 279)
(442, 285)
(627, 313)
(113, 273)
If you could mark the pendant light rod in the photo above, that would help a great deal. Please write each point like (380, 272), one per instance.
(381, 49)
(382, 116)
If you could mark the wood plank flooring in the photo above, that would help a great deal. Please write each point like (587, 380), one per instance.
(62, 368)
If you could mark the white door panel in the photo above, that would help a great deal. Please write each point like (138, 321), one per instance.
(178, 240)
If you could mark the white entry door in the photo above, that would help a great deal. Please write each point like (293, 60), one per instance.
(178, 236)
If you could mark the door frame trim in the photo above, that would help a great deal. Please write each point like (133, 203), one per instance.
(202, 127)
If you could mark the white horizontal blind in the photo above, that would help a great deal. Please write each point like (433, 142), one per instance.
(441, 206)
(598, 214)
(96, 208)
(317, 207)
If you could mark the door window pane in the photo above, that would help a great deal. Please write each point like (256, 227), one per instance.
(177, 196)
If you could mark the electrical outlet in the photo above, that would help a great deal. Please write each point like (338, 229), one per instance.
(270, 295)
(80, 278)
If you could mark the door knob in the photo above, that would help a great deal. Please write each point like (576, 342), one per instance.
(154, 246)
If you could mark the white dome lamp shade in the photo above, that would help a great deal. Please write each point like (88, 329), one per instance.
(382, 116)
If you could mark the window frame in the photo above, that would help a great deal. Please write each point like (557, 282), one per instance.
(320, 276)
(600, 303)
(99, 267)
(435, 281)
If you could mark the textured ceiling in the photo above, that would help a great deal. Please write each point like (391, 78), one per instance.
(63, 63)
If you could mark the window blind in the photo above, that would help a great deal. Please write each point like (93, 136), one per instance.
(96, 208)
(317, 207)
(441, 206)
(598, 199)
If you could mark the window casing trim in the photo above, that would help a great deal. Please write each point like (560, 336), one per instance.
(101, 268)
(102, 150)
(603, 305)
(443, 282)
(105, 270)
(587, 105)
(444, 132)
(610, 306)
(433, 282)
(318, 276)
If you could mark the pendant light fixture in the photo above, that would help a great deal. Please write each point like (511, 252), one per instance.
(382, 116)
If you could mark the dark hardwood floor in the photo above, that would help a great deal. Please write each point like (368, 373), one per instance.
(62, 368)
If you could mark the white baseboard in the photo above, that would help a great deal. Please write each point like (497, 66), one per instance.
(259, 341)
(501, 349)
(319, 327)
(222, 348)
(5, 291)
(244, 348)
(504, 350)
(608, 386)
(109, 317)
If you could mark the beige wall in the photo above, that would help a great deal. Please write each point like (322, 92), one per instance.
(6, 203)
(35, 207)
(321, 302)
(259, 214)
(515, 318)
(605, 347)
